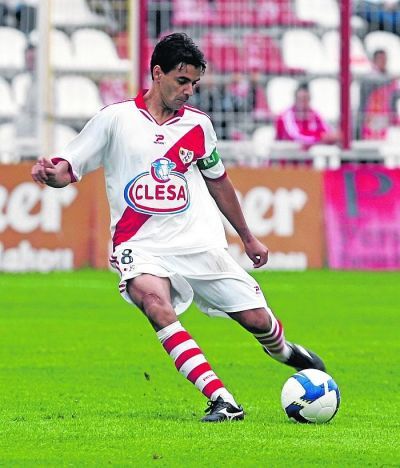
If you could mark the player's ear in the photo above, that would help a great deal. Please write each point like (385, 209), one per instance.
(157, 72)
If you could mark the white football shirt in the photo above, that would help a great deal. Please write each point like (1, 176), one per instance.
(157, 195)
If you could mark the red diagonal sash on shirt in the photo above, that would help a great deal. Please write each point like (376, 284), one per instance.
(131, 221)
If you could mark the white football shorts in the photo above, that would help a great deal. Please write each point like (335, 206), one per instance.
(212, 279)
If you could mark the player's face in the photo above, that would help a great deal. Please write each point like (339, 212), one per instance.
(178, 85)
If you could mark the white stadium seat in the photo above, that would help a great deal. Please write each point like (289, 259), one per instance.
(95, 50)
(389, 149)
(262, 140)
(74, 13)
(76, 97)
(325, 97)
(62, 136)
(8, 107)
(12, 49)
(390, 43)
(325, 13)
(303, 49)
(8, 146)
(280, 93)
(20, 85)
(60, 50)
(358, 57)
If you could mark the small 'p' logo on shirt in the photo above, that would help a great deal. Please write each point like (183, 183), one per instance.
(159, 140)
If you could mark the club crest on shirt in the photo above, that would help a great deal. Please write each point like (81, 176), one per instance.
(160, 191)
(186, 155)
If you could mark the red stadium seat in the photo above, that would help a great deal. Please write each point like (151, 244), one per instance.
(221, 52)
(234, 12)
(276, 12)
(262, 54)
(188, 12)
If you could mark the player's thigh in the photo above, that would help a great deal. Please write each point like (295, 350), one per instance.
(221, 285)
(159, 282)
(149, 286)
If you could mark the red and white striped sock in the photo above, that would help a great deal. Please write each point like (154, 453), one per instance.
(274, 341)
(191, 362)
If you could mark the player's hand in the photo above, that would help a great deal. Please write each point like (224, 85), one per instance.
(44, 171)
(257, 252)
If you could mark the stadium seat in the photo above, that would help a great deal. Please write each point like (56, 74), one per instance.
(390, 43)
(20, 85)
(12, 49)
(393, 136)
(358, 58)
(325, 97)
(113, 90)
(74, 13)
(60, 49)
(76, 97)
(190, 12)
(302, 49)
(261, 53)
(233, 12)
(222, 52)
(262, 140)
(8, 107)
(277, 12)
(8, 147)
(280, 93)
(95, 50)
(389, 149)
(62, 136)
(61, 54)
(325, 13)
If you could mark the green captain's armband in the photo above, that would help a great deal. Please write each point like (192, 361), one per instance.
(210, 161)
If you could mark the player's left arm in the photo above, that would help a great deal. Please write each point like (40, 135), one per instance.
(224, 194)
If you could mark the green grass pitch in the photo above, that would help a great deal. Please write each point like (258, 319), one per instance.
(84, 381)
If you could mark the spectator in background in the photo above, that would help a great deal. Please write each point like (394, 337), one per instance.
(209, 96)
(379, 63)
(378, 94)
(303, 124)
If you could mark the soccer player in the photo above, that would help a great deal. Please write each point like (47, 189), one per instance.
(165, 180)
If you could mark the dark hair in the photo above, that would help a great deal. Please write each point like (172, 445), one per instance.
(302, 87)
(175, 49)
(378, 52)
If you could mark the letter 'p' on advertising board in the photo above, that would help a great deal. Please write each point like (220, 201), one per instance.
(283, 208)
(42, 228)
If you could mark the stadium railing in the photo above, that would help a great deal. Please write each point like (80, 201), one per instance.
(258, 52)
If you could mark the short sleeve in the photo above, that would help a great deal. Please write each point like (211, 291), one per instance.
(210, 164)
(86, 152)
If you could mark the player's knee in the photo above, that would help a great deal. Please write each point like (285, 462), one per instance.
(256, 321)
(158, 310)
(152, 301)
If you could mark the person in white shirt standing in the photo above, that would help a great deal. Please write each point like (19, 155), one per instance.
(165, 183)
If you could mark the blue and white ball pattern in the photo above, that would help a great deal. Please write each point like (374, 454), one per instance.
(310, 396)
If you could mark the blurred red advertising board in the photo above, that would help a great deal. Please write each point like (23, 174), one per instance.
(362, 212)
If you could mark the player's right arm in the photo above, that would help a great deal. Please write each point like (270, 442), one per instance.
(44, 171)
(85, 153)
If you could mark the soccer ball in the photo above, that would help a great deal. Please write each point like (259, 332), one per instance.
(310, 396)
